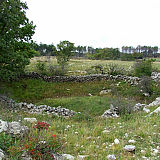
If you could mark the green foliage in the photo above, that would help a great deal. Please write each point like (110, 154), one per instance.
(105, 53)
(114, 69)
(5, 141)
(126, 57)
(143, 68)
(146, 85)
(15, 33)
(64, 51)
(41, 67)
(56, 70)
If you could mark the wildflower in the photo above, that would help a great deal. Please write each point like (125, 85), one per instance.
(41, 125)
(52, 136)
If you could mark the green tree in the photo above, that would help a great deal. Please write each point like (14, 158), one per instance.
(64, 51)
(15, 36)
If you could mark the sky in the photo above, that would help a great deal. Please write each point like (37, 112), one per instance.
(96, 23)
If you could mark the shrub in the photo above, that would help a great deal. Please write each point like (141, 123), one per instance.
(40, 144)
(114, 69)
(146, 85)
(41, 67)
(123, 107)
(56, 70)
(5, 141)
(96, 69)
(143, 68)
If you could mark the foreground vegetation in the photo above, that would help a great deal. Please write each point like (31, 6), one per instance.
(94, 136)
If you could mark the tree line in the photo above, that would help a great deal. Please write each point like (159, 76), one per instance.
(127, 52)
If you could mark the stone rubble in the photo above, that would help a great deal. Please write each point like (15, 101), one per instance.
(31, 108)
(15, 129)
(2, 154)
(138, 107)
(154, 103)
(111, 157)
(146, 110)
(155, 76)
(110, 113)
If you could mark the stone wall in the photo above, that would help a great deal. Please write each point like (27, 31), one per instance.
(85, 78)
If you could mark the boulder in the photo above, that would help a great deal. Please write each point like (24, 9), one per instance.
(15, 129)
(2, 154)
(129, 148)
(111, 157)
(3, 126)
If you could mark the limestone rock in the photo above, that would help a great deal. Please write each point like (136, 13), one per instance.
(2, 154)
(116, 141)
(68, 156)
(146, 110)
(111, 157)
(131, 141)
(15, 129)
(138, 107)
(81, 157)
(3, 126)
(31, 120)
(110, 113)
(154, 103)
(25, 156)
(155, 111)
(103, 92)
(129, 148)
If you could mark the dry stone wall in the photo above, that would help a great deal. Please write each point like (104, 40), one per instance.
(85, 78)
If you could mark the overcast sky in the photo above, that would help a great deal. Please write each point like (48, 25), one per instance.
(96, 23)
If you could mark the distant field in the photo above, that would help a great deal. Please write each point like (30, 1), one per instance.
(78, 65)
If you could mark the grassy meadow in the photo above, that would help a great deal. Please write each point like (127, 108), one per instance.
(75, 66)
(87, 133)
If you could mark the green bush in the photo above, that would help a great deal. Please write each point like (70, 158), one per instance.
(41, 67)
(56, 70)
(146, 85)
(143, 68)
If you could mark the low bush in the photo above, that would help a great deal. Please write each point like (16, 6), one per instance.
(114, 69)
(41, 67)
(39, 144)
(146, 85)
(57, 70)
(143, 68)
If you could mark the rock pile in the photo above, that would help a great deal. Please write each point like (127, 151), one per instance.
(57, 111)
(31, 108)
(13, 128)
(155, 76)
(111, 113)
(154, 103)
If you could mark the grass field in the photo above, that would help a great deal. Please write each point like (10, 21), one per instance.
(87, 133)
(75, 66)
